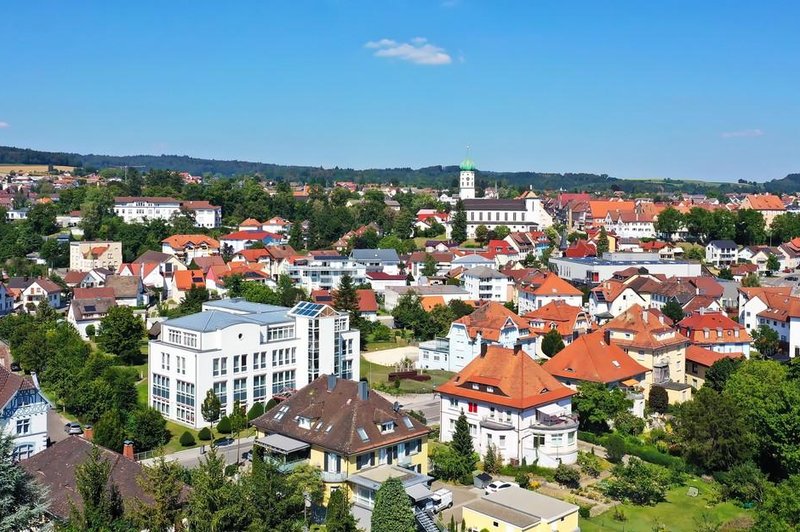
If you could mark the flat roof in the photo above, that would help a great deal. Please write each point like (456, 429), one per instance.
(215, 320)
(282, 444)
(605, 262)
(375, 476)
(241, 305)
(531, 503)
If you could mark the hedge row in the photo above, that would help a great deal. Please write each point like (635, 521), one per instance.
(634, 447)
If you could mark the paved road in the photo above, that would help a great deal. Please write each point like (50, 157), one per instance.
(427, 403)
(192, 457)
(55, 426)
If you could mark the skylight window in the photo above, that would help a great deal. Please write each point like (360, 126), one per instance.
(407, 422)
(281, 412)
(616, 364)
(362, 434)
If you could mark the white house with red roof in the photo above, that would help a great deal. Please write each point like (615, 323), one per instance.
(154, 268)
(537, 291)
(717, 332)
(239, 240)
(513, 406)
(189, 247)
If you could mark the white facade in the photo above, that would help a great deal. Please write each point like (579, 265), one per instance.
(466, 183)
(624, 300)
(137, 210)
(721, 253)
(24, 417)
(543, 435)
(325, 273)
(487, 284)
(247, 352)
(527, 301)
(208, 217)
(517, 214)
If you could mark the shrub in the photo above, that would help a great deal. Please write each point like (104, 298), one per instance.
(567, 476)
(224, 425)
(615, 448)
(204, 434)
(589, 437)
(270, 405)
(619, 514)
(231, 469)
(187, 440)
(638, 482)
(585, 512)
(744, 483)
(523, 480)
(90, 330)
(256, 410)
(589, 464)
(628, 424)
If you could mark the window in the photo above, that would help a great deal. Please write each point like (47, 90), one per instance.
(365, 460)
(174, 336)
(556, 439)
(284, 356)
(453, 403)
(283, 332)
(165, 361)
(472, 407)
(160, 386)
(281, 412)
(180, 362)
(185, 414)
(283, 380)
(23, 426)
(239, 363)
(571, 438)
(387, 427)
(22, 452)
(362, 434)
(220, 367)
(259, 387)
(185, 393)
(473, 430)
(240, 390)
(221, 391)
(260, 360)
(538, 440)
(189, 340)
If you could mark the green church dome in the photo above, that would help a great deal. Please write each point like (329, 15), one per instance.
(467, 165)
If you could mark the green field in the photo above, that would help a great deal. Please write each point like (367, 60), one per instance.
(680, 513)
(379, 375)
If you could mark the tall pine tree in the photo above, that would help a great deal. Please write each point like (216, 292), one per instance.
(339, 518)
(21, 499)
(102, 502)
(346, 298)
(459, 233)
(462, 445)
(392, 512)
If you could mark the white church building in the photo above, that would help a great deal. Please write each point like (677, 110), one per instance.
(524, 213)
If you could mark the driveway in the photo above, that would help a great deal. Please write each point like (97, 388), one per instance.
(55, 426)
(461, 495)
(427, 403)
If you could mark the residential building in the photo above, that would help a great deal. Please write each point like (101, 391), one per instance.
(516, 509)
(596, 270)
(571, 322)
(6, 300)
(538, 291)
(768, 205)
(648, 337)
(513, 405)
(85, 256)
(30, 291)
(611, 298)
(183, 281)
(487, 284)
(128, 291)
(90, 279)
(717, 332)
(753, 301)
(84, 312)
(239, 240)
(347, 431)
(783, 317)
(380, 281)
(591, 359)
(722, 253)
(698, 360)
(190, 247)
(325, 271)
(137, 209)
(55, 469)
(154, 268)
(23, 414)
(490, 324)
(416, 262)
(276, 224)
(247, 352)
(447, 293)
(377, 260)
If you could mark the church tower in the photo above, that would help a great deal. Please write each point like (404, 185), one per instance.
(467, 179)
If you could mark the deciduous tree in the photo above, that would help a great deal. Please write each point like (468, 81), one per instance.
(121, 332)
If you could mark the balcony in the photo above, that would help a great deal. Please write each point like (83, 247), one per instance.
(327, 476)
(563, 422)
(404, 460)
(287, 467)
(493, 423)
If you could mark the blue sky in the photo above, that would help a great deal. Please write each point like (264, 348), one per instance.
(681, 89)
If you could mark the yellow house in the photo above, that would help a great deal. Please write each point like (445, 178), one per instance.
(519, 510)
(345, 430)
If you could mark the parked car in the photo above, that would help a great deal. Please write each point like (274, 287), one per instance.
(442, 499)
(73, 428)
(791, 277)
(499, 485)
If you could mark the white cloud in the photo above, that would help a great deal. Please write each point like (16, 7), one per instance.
(418, 51)
(743, 133)
(4, 125)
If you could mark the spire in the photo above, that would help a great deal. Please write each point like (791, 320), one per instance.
(467, 165)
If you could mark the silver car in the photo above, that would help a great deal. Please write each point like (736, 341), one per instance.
(73, 428)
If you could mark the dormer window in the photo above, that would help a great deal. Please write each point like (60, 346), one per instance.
(387, 427)
(476, 387)
(303, 422)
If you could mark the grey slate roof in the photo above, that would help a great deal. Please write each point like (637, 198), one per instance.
(372, 255)
(723, 244)
(483, 272)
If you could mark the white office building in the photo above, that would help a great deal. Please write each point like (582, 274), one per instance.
(137, 209)
(247, 352)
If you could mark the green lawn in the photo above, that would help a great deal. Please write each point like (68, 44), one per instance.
(678, 514)
(379, 376)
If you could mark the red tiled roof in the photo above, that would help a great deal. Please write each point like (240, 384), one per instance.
(366, 300)
(250, 222)
(765, 202)
(381, 276)
(556, 312)
(646, 328)
(706, 357)
(181, 241)
(551, 284)
(590, 358)
(721, 329)
(185, 279)
(250, 235)
(520, 380)
(91, 293)
(489, 319)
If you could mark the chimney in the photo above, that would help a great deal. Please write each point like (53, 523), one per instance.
(517, 349)
(645, 315)
(331, 382)
(88, 433)
(127, 449)
(484, 348)
(35, 380)
(363, 390)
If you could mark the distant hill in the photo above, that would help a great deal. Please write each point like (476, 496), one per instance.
(788, 185)
(438, 176)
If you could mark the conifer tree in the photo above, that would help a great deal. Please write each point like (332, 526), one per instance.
(462, 445)
(339, 518)
(392, 511)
